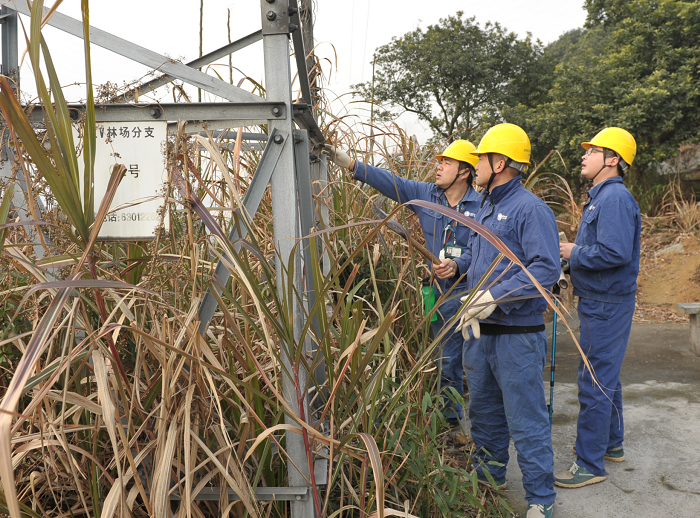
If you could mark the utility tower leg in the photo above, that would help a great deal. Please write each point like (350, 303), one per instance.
(285, 210)
(10, 69)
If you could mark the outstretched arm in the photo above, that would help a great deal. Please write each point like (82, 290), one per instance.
(395, 187)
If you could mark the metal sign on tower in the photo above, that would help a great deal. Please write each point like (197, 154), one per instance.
(287, 164)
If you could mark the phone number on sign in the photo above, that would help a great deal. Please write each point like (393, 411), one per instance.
(131, 216)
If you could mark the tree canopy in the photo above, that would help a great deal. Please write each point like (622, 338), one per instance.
(453, 73)
(635, 64)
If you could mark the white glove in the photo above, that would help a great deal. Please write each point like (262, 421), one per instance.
(338, 156)
(483, 306)
(471, 317)
(442, 255)
(465, 325)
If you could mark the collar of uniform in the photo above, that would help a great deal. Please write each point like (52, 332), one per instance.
(596, 189)
(470, 195)
(500, 192)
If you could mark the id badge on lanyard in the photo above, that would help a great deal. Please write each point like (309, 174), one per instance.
(452, 250)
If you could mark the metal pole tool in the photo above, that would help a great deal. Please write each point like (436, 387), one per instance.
(562, 284)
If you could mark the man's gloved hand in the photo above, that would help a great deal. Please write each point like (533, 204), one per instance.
(471, 317)
(338, 156)
(483, 306)
(465, 325)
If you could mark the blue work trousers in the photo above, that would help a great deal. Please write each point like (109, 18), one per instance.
(605, 330)
(449, 353)
(506, 398)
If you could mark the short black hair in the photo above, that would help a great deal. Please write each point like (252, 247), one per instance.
(466, 165)
(609, 153)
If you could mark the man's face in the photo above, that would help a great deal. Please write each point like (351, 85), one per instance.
(592, 162)
(447, 170)
(483, 170)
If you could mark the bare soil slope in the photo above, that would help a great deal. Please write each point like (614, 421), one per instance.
(667, 278)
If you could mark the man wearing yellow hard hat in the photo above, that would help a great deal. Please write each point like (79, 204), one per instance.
(444, 237)
(504, 367)
(604, 267)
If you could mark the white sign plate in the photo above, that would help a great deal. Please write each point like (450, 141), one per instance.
(139, 146)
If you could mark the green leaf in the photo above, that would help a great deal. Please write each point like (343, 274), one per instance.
(427, 401)
(5, 210)
(90, 130)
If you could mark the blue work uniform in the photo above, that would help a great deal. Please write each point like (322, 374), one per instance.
(604, 269)
(438, 231)
(504, 367)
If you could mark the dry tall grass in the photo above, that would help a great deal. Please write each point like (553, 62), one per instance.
(113, 404)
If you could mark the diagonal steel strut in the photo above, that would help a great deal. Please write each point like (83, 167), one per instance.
(144, 56)
(251, 202)
(157, 82)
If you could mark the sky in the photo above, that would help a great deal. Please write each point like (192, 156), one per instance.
(346, 31)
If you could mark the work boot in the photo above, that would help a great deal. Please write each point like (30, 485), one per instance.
(539, 511)
(576, 476)
(501, 483)
(616, 454)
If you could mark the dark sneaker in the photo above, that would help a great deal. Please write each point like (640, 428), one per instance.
(576, 476)
(539, 511)
(613, 454)
(501, 483)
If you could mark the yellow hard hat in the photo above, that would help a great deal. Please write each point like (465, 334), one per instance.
(619, 140)
(460, 150)
(508, 140)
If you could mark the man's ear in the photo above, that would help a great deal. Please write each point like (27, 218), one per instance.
(500, 166)
(614, 161)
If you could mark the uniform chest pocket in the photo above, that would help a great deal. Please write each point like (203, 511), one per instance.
(590, 214)
(431, 223)
(503, 229)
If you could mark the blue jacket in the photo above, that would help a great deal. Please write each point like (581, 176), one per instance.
(527, 226)
(605, 260)
(433, 223)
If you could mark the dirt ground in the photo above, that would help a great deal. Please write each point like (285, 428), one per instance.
(661, 394)
(667, 278)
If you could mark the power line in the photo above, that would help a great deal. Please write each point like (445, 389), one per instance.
(364, 52)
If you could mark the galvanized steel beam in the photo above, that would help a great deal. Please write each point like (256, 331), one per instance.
(10, 46)
(142, 55)
(265, 494)
(259, 112)
(157, 82)
(285, 222)
(251, 202)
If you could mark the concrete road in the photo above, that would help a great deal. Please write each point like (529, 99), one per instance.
(661, 398)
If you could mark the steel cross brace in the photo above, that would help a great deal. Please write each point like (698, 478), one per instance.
(157, 82)
(251, 202)
(261, 494)
(142, 55)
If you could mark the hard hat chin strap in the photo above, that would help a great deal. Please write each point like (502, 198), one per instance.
(487, 192)
(469, 171)
(605, 158)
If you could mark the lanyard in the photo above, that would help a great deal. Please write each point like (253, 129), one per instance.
(449, 232)
(450, 227)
